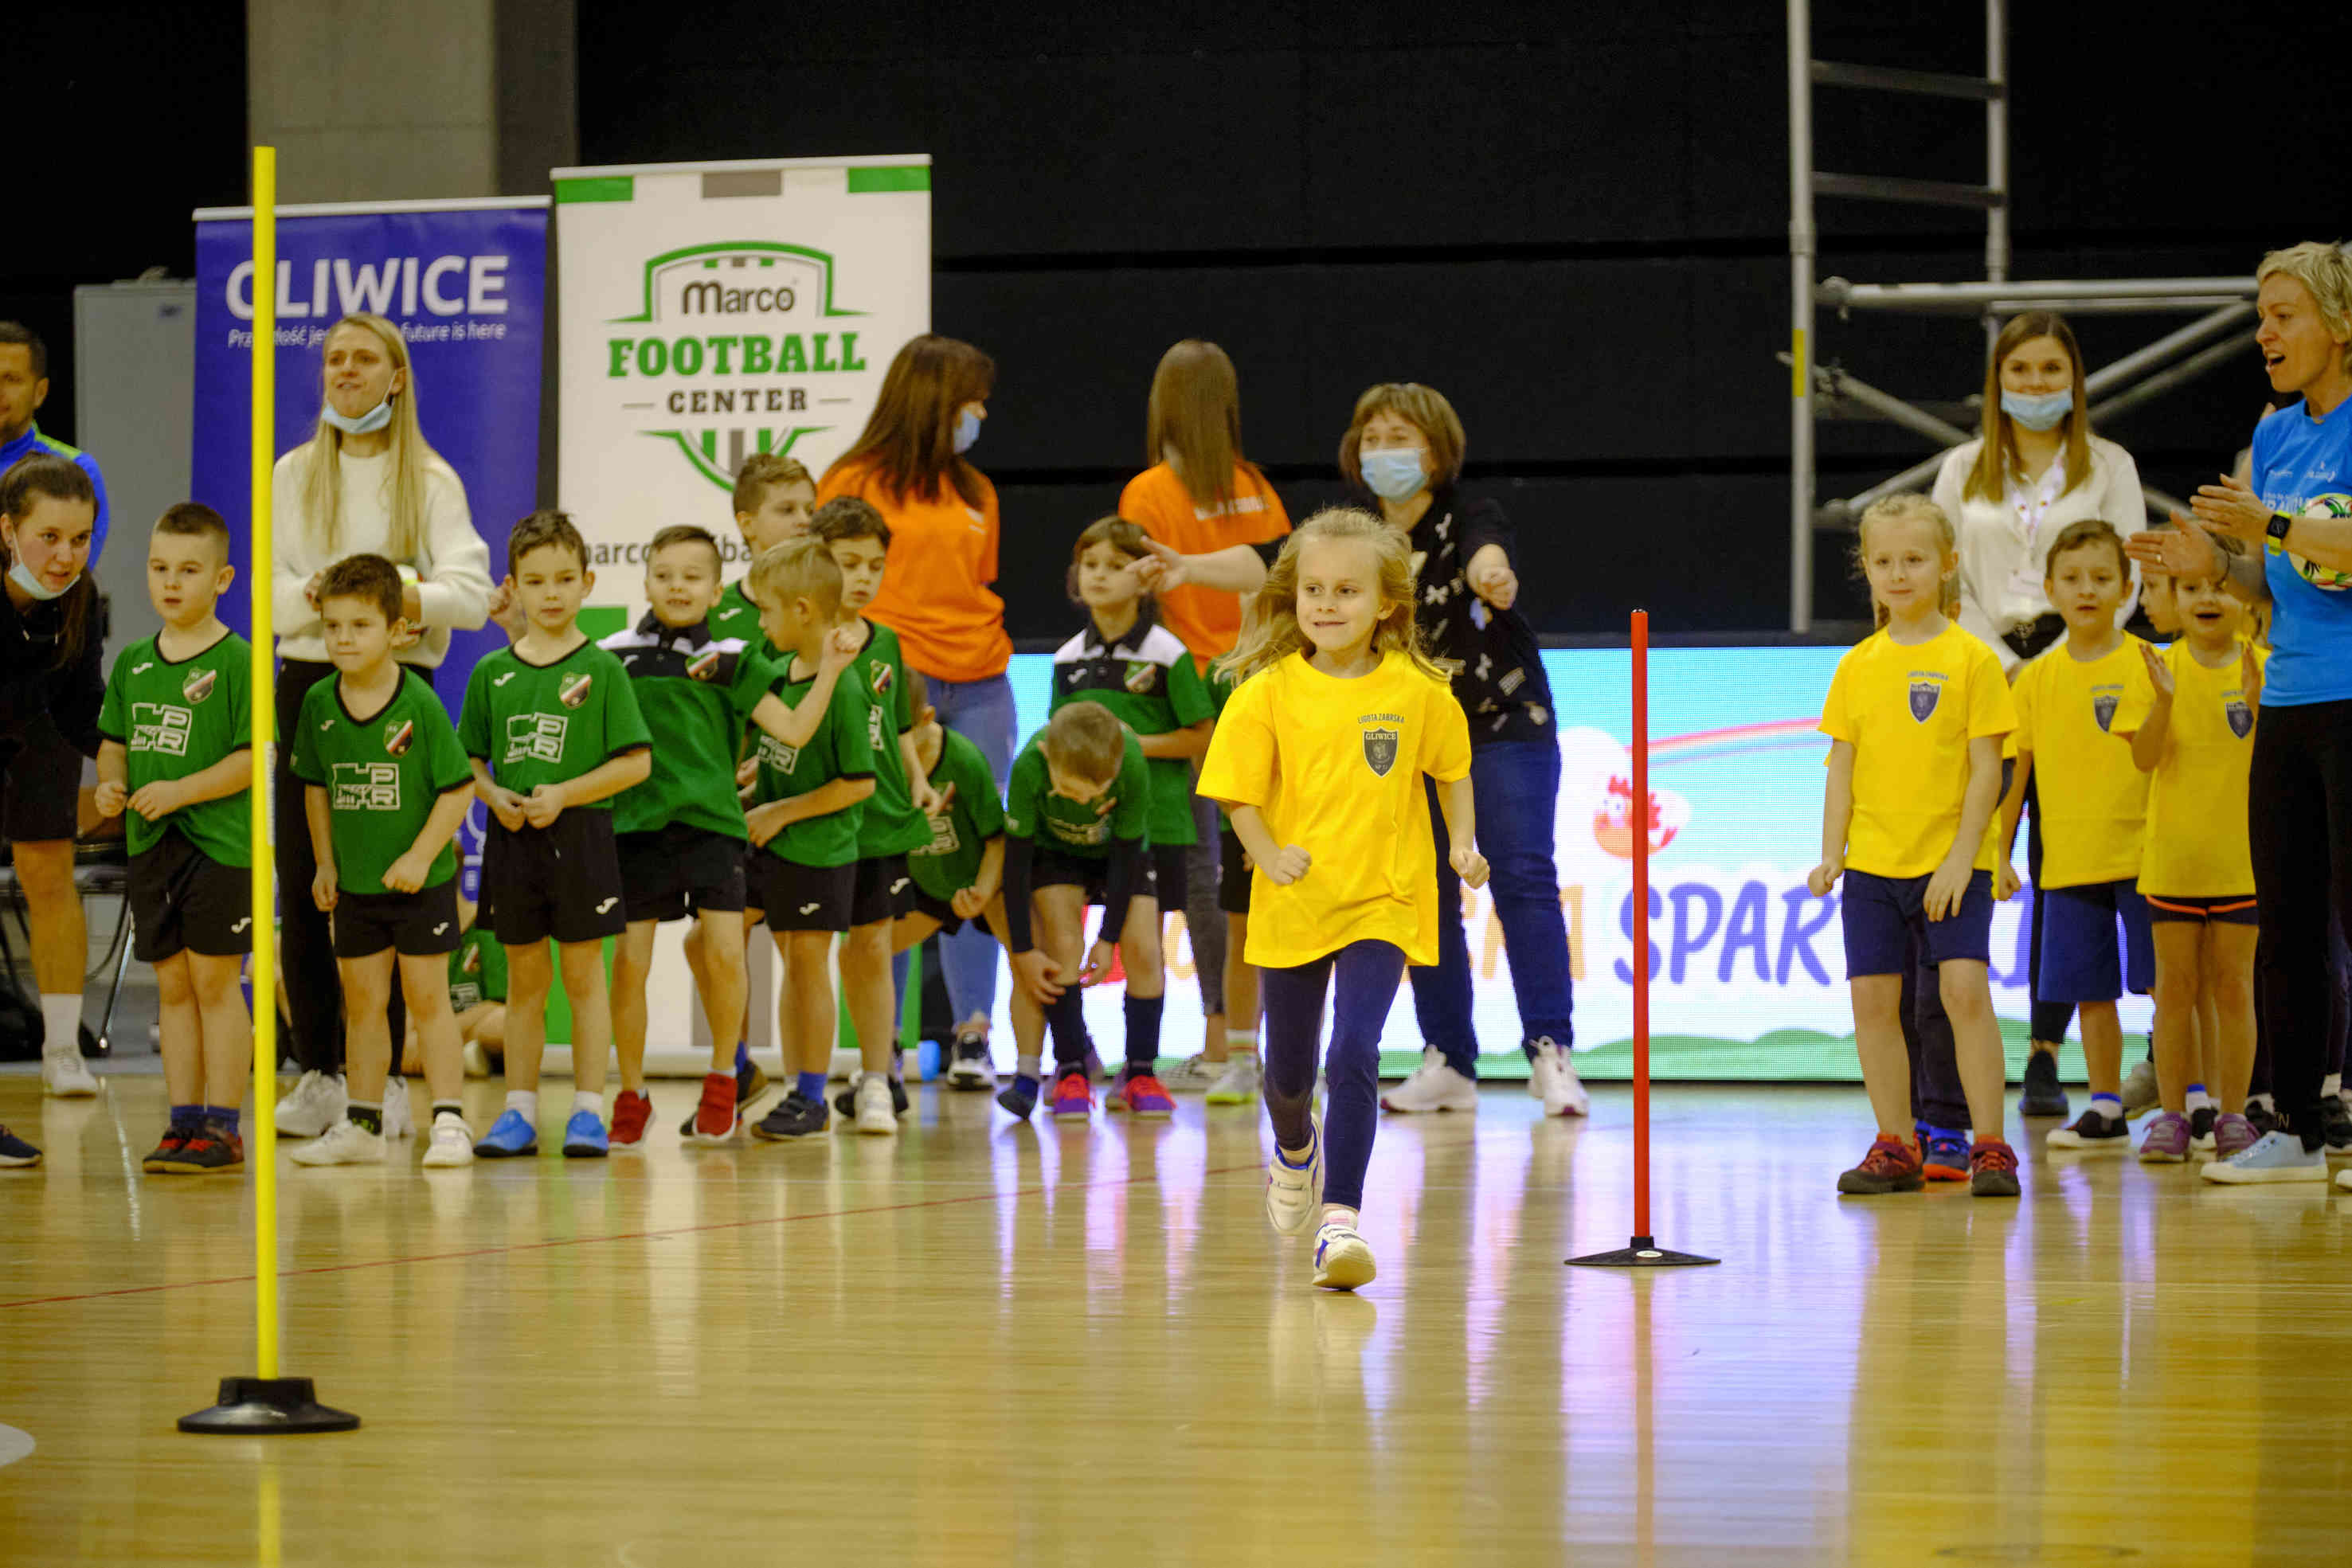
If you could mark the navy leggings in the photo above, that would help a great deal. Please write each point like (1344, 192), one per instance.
(1368, 975)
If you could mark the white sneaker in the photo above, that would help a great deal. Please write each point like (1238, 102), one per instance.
(452, 1144)
(1293, 1193)
(316, 1104)
(1343, 1260)
(969, 1066)
(65, 1076)
(1434, 1085)
(875, 1116)
(398, 1121)
(2139, 1088)
(345, 1144)
(1238, 1084)
(1191, 1075)
(2344, 1179)
(1552, 1079)
(476, 1059)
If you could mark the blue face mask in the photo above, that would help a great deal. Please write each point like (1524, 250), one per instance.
(368, 423)
(2044, 411)
(1393, 473)
(35, 588)
(967, 431)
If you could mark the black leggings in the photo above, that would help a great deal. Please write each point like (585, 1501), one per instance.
(2299, 821)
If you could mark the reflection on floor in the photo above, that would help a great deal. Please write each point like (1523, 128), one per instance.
(985, 1342)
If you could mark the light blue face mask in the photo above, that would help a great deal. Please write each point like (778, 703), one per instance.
(1393, 473)
(2044, 411)
(36, 587)
(967, 431)
(368, 423)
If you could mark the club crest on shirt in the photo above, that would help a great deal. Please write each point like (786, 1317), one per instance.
(199, 685)
(703, 667)
(1924, 697)
(397, 734)
(574, 691)
(1381, 750)
(2241, 716)
(1140, 675)
(471, 962)
(2103, 708)
(883, 679)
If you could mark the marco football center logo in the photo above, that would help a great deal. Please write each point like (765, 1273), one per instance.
(739, 350)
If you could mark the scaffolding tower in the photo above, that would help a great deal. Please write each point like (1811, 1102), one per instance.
(2222, 305)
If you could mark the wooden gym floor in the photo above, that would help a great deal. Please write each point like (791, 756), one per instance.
(981, 1343)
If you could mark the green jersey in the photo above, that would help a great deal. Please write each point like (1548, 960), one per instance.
(177, 719)
(548, 724)
(1085, 828)
(695, 690)
(889, 823)
(950, 861)
(477, 970)
(838, 749)
(1146, 678)
(384, 774)
(736, 619)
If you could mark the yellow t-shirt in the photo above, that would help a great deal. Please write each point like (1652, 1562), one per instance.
(1909, 713)
(1335, 767)
(2075, 718)
(2197, 796)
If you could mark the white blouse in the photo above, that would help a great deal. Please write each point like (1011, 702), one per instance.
(2004, 544)
(452, 563)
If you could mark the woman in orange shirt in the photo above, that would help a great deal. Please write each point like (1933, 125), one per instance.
(910, 465)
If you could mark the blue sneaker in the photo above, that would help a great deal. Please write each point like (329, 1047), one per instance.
(16, 1152)
(2276, 1156)
(583, 1138)
(509, 1137)
(1943, 1154)
(1018, 1098)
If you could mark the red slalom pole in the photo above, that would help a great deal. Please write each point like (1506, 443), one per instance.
(1643, 1252)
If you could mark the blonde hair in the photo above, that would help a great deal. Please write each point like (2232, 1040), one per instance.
(797, 569)
(1195, 413)
(2323, 269)
(322, 473)
(765, 471)
(1270, 630)
(1424, 408)
(1911, 508)
(1085, 738)
(1998, 459)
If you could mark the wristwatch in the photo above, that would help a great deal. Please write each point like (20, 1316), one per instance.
(2279, 523)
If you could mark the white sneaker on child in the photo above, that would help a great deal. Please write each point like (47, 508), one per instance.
(65, 1076)
(1434, 1085)
(875, 1116)
(345, 1144)
(1294, 1193)
(1343, 1260)
(452, 1144)
(398, 1122)
(1191, 1075)
(1552, 1079)
(314, 1105)
(1240, 1081)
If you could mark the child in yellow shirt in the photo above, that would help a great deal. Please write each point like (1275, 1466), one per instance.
(1916, 715)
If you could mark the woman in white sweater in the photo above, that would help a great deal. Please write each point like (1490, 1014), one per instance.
(2036, 468)
(365, 483)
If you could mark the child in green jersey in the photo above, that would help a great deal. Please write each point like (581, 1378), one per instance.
(386, 785)
(893, 823)
(1076, 812)
(553, 733)
(680, 833)
(177, 753)
(804, 820)
(957, 876)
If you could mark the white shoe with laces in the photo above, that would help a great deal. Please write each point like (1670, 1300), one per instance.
(1240, 1081)
(452, 1144)
(345, 1144)
(876, 1117)
(1192, 1075)
(398, 1121)
(1434, 1085)
(65, 1076)
(314, 1105)
(1552, 1079)
(1293, 1193)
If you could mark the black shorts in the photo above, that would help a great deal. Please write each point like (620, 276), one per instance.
(883, 890)
(680, 870)
(40, 787)
(1171, 877)
(1052, 868)
(561, 880)
(938, 909)
(797, 897)
(417, 924)
(1232, 874)
(183, 900)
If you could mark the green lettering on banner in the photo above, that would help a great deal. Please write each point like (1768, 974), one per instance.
(617, 352)
(653, 357)
(897, 177)
(849, 359)
(602, 188)
(792, 354)
(686, 356)
(720, 349)
(821, 363)
(759, 356)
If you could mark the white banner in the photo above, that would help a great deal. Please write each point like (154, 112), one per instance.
(714, 310)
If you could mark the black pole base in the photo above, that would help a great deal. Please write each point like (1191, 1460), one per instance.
(1643, 1253)
(256, 1407)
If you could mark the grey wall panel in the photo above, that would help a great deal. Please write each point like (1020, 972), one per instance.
(135, 350)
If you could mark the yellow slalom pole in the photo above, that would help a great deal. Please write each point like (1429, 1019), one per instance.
(265, 734)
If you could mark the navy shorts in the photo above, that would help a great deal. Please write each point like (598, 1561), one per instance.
(2080, 961)
(2229, 910)
(1884, 916)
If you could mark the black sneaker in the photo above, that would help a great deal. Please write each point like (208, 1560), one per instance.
(2094, 1133)
(2264, 1119)
(2043, 1097)
(175, 1138)
(15, 1151)
(970, 1068)
(797, 1118)
(2201, 1122)
(2336, 1121)
(208, 1148)
(846, 1100)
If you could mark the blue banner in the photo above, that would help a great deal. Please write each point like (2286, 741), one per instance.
(468, 285)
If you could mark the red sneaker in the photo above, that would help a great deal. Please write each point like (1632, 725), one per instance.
(1073, 1095)
(714, 1119)
(630, 1111)
(1142, 1095)
(1892, 1165)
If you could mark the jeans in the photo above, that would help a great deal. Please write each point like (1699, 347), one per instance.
(982, 711)
(1366, 974)
(1205, 919)
(2299, 821)
(1516, 785)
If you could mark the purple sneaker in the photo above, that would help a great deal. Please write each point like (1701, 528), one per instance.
(1073, 1096)
(2165, 1140)
(2232, 1134)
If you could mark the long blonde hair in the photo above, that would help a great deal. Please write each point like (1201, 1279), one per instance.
(1270, 629)
(322, 476)
(1910, 507)
(1195, 413)
(1998, 459)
